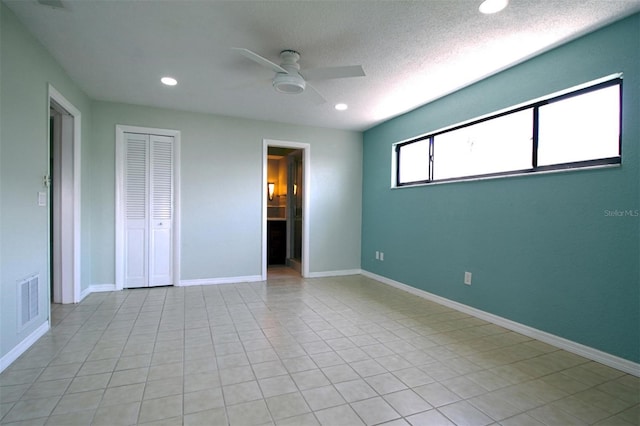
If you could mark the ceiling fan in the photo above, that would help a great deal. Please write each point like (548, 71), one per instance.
(290, 79)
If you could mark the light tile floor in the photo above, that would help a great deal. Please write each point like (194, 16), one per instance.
(331, 351)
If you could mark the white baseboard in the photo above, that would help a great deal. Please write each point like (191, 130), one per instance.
(223, 280)
(341, 273)
(557, 341)
(22, 347)
(96, 288)
(84, 293)
(99, 288)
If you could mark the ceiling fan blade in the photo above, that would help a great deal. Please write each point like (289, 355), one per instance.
(333, 72)
(317, 96)
(260, 60)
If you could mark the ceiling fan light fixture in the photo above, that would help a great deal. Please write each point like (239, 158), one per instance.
(289, 83)
(492, 6)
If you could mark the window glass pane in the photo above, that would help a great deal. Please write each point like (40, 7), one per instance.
(414, 162)
(497, 145)
(583, 127)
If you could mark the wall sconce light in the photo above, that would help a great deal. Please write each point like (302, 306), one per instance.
(271, 187)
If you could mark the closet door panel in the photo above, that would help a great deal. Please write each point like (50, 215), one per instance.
(161, 220)
(136, 210)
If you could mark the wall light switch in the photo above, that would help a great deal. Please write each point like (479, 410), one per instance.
(42, 199)
(381, 256)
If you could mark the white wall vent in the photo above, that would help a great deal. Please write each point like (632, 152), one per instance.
(28, 290)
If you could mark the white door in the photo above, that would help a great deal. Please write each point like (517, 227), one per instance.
(148, 203)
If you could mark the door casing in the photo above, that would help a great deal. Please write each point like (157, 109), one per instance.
(68, 211)
(306, 204)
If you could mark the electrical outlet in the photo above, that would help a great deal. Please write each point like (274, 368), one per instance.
(467, 278)
(381, 256)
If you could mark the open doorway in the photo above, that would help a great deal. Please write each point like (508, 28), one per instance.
(285, 222)
(64, 215)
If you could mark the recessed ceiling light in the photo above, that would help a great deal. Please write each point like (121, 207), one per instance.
(492, 6)
(169, 81)
(341, 107)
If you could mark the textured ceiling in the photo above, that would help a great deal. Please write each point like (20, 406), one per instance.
(412, 51)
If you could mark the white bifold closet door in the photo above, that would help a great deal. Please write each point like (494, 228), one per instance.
(148, 210)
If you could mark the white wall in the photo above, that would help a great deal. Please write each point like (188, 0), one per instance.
(221, 191)
(221, 185)
(26, 70)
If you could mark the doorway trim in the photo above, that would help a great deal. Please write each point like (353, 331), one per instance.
(306, 204)
(120, 190)
(70, 257)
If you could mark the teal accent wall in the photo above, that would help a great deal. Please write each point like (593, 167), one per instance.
(26, 70)
(542, 249)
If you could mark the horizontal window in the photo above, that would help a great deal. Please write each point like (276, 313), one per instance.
(491, 146)
(580, 128)
(576, 129)
(415, 160)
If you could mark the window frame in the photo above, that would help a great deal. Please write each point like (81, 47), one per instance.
(534, 105)
(397, 149)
